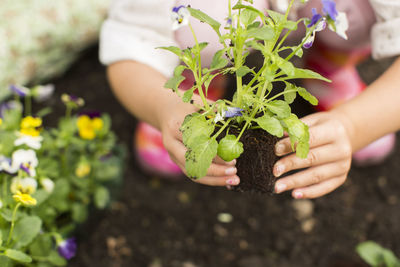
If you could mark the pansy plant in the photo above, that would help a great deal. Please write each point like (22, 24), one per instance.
(209, 132)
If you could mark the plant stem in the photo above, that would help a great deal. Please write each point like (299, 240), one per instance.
(282, 93)
(4, 191)
(197, 72)
(12, 223)
(222, 128)
(28, 109)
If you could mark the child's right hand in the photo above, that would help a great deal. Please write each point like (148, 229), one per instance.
(220, 173)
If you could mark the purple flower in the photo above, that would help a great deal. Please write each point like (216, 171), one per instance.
(91, 114)
(67, 248)
(329, 8)
(19, 90)
(8, 106)
(233, 112)
(315, 18)
(177, 8)
(25, 168)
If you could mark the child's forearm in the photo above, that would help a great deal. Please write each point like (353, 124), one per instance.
(375, 112)
(141, 90)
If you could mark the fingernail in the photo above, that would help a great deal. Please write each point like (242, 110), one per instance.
(233, 181)
(232, 162)
(298, 195)
(230, 171)
(279, 188)
(279, 169)
(279, 148)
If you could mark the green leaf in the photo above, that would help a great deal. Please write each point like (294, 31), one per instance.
(200, 155)
(218, 61)
(296, 127)
(176, 50)
(5, 262)
(243, 70)
(376, 255)
(307, 96)
(193, 126)
(277, 17)
(229, 148)
(179, 70)
(289, 96)
(271, 125)
(41, 246)
(265, 33)
(101, 197)
(174, 82)
(79, 212)
(247, 16)
(291, 25)
(307, 74)
(26, 230)
(187, 96)
(279, 107)
(302, 149)
(205, 18)
(55, 259)
(240, 6)
(17, 255)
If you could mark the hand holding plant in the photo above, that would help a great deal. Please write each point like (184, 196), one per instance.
(217, 128)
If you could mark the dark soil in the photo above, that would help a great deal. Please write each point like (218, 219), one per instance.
(255, 164)
(157, 222)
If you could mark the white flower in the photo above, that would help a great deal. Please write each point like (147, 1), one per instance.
(310, 39)
(43, 92)
(1, 203)
(26, 185)
(341, 25)
(219, 117)
(34, 142)
(180, 17)
(47, 184)
(25, 160)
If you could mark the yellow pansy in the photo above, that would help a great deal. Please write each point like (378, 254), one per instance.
(83, 169)
(88, 127)
(24, 199)
(1, 121)
(31, 126)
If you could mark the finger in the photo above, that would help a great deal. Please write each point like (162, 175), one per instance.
(320, 189)
(319, 135)
(218, 181)
(220, 161)
(316, 156)
(311, 176)
(310, 120)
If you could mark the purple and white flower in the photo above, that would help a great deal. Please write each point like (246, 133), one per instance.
(308, 41)
(233, 112)
(9, 106)
(341, 25)
(180, 17)
(20, 90)
(67, 248)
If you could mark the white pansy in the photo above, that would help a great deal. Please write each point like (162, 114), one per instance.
(25, 159)
(34, 142)
(47, 184)
(180, 17)
(26, 185)
(43, 92)
(341, 24)
(219, 117)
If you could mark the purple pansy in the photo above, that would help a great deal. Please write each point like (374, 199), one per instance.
(329, 8)
(19, 90)
(91, 114)
(315, 18)
(25, 168)
(67, 248)
(8, 106)
(233, 112)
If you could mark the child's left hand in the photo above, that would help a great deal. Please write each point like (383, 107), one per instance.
(327, 163)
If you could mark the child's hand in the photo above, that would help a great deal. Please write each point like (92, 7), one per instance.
(220, 173)
(328, 161)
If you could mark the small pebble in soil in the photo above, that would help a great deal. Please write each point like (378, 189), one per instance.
(382, 181)
(183, 197)
(220, 230)
(308, 225)
(225, 217)
(304, 208)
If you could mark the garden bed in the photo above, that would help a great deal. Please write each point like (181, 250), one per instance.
(161, 223)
